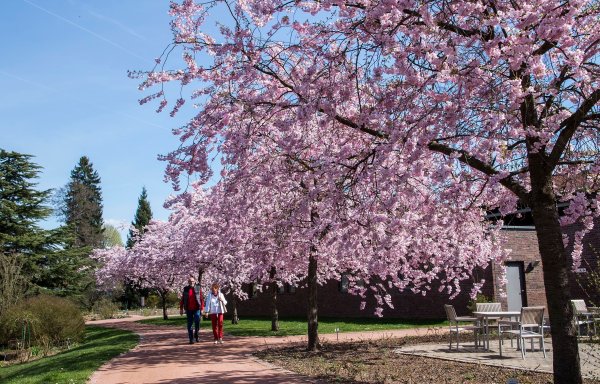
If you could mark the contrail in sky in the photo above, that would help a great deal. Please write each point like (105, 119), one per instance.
(115, 22)
(35, 84)
(79, 100)
(116, 45)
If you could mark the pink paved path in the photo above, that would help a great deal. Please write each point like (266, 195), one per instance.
(164, 356)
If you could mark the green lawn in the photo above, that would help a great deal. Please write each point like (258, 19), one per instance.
(261, 326)
(75, 365)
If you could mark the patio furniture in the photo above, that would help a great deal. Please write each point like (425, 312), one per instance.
(456, 328)
(529, 326)
(486, 316)
(488, 307)
(583, 316)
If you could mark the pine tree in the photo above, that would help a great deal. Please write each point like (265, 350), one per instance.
(67, 270)
(45, 259)
(21, 208)
(80, 205)
(143, 215)
(83, 205)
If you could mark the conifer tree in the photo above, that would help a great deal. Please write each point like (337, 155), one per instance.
(83, 205)
(22, 206)
(143, 215)
(45, 258)
(80, 205)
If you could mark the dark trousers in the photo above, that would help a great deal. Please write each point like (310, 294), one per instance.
(193, 317)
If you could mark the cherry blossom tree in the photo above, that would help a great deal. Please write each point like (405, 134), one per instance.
(154, 262)
(418, 107)
(112, 270)
(290, 213)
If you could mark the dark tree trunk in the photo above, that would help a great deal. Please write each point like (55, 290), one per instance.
(313, 324)
(163, 301)
(274, 312)
(200, 275)
(566, 365)
(234, 313)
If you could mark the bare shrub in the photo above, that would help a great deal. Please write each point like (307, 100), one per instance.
(43, 321)
(105, 309)
(12, 283)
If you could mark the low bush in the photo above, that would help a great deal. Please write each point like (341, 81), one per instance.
(43, 321)
(154, 301)
(105, 309)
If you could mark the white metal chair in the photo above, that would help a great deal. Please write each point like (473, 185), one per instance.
(530, 326)
(488, 307)
(582, 316)
(456, 328)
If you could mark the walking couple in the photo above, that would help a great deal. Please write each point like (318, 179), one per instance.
(193, 303)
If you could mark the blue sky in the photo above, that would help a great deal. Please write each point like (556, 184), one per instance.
(65, 93)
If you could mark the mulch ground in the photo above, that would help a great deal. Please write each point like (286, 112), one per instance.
(374, 361)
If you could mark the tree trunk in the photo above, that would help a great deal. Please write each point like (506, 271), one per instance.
(163, 301)
(566, 365)
(234, 313)
(313, 324)
(200, 274)
(274, 312)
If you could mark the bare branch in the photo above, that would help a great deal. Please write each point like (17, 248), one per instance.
(570, 126)
(473, 162)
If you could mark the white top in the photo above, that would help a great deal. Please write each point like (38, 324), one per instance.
(215, 303)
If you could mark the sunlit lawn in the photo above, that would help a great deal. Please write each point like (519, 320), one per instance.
(75, 365)
(261, 326)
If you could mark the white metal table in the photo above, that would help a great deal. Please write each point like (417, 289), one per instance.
(487, 316)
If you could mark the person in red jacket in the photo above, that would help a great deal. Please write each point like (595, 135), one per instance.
(192, 302)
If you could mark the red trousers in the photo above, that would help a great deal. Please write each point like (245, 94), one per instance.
(217, 325)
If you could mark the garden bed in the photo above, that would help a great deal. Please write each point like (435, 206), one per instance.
(374, 361)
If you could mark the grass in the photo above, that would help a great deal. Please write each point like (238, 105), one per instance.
(261, 326)
(75, 365)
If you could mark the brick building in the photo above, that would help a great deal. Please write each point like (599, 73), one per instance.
(524, 274)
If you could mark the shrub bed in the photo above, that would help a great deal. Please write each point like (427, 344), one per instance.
(40, 323)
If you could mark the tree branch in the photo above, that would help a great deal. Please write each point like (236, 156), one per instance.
(473, 162)
(570, 126)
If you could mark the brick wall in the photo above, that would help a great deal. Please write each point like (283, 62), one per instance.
(524, 248)
(333, 303)
(580, 288)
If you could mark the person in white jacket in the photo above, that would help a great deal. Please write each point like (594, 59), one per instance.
(215, 307)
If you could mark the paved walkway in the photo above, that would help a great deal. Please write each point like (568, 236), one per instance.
(511, 357)
(164, 356)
